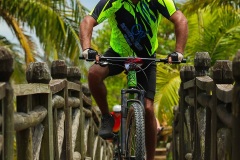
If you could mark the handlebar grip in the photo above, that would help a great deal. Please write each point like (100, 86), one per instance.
(178, 62)
(82, 58)
(173, 62)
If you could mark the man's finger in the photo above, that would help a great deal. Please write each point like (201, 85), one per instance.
(97, 58)
(169, 59)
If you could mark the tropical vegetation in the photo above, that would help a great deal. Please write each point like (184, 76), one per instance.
(54, 23)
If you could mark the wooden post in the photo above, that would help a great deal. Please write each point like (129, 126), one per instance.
(236, 108)
(222, 74)
(80, 146)
(6, 69)
(186, 74)
(58, 71)
(39, 72)
(74, 75)
(202, 63)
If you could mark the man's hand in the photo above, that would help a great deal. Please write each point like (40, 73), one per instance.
(175, 56)
(90, 54)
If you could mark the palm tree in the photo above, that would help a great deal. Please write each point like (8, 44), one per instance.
(214, 27)
(54, 22)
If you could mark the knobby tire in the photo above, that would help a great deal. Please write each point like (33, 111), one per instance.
(135, 138)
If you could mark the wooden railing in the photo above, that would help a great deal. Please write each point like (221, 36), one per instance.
(207, 120)
(51, 117)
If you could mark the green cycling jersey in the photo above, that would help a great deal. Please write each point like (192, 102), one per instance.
(134, 26)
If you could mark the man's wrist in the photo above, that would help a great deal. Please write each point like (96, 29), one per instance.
(179, 52)
(180, 55)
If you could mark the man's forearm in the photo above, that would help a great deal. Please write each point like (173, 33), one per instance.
(181, 31)
(86, 29)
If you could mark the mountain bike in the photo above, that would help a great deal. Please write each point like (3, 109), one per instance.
(129, 142)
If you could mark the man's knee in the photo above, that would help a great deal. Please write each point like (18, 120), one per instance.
(97, 73)
(149, 105)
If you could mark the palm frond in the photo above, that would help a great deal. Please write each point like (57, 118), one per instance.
(55, 23)
(24, 40)
(168, 82)
(220, 36)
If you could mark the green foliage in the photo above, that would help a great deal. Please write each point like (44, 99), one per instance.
(166, 38)
(214, 31)
(18, 60)
(102, 40)
(168, 82)
(114, 85)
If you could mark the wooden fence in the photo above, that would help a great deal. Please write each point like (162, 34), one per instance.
(51, 117)
(207, 121)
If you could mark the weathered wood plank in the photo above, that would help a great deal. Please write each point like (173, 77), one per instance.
(57, 85)
(222, 72)
(24, 137)
(1, 143)
(60, 130)
(37, 140)
(47, 149)
(204, 83)
(31, 88)
(190, 101)
(204, 99)
(224, 92)
(236, 108)
(8, 126)
(74, 86)
(67, 124)
(224, 115)
(189, 84)
(75, 126)
(2, 90)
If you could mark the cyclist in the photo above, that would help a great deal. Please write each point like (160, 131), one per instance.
(134, 26)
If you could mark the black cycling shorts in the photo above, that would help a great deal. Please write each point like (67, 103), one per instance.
(146, 78)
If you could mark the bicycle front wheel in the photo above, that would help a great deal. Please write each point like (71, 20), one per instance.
(135, 136)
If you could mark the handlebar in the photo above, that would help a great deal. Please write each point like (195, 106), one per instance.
(123, 59)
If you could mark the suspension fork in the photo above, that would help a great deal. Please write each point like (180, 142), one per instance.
(128, 96)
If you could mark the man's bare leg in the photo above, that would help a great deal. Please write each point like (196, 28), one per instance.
(150, 129)
(98, 89)
(96, 75)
